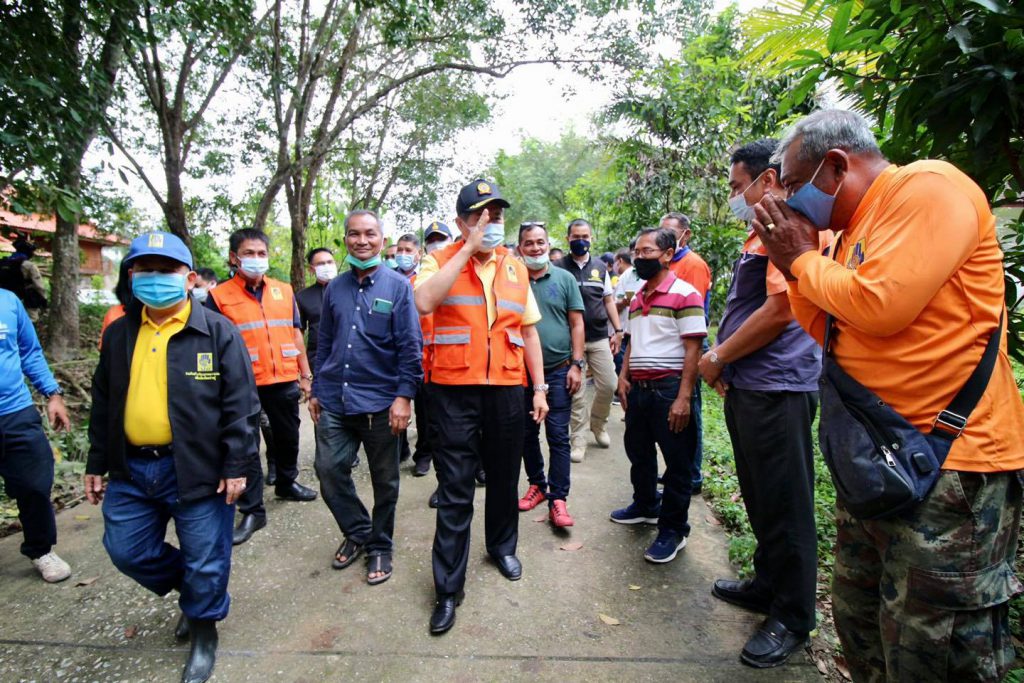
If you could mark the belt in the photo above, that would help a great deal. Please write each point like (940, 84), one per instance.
(656, 383)
(149, 452)
(558, 366)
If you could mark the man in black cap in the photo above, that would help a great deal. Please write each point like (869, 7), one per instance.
(484, 339)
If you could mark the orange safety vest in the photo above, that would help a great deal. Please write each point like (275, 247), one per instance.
(427, 328)
(267, 327)
(466, 350)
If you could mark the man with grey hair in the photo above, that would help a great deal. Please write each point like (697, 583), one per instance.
(922, 593)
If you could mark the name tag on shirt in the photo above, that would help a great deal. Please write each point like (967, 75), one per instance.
(382, 306)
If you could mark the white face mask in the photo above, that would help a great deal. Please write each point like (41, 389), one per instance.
(254, 265)
(326, 272)
(440, 244)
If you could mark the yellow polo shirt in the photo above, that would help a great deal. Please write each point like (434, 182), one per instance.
(485, 271)
(146, 419)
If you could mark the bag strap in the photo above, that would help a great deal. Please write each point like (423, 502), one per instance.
(951, 422)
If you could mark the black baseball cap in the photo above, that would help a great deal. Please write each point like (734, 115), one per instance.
(477, 195)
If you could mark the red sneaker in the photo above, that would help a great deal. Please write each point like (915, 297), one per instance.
(534, 497)
(559, 515)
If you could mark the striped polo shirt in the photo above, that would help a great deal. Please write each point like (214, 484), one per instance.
(658, 323)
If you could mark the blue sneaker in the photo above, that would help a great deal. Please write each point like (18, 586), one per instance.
(665, 547)
(634, 515)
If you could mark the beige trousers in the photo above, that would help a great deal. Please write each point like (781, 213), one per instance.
(602, 369)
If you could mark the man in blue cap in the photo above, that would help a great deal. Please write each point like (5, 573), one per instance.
(172, 400)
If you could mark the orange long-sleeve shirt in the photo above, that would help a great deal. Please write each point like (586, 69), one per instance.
(917, 289)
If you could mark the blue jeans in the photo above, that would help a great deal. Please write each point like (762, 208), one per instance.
(337, 442)
(556, 425)
(647, 429)
(26, 466)
(136, 512)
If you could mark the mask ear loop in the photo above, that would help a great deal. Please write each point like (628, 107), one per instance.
(818, 170)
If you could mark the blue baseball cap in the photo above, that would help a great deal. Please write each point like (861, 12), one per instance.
(437, 228)
(159, 243)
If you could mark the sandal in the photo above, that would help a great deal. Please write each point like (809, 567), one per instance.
(376, 565)
(351, 550)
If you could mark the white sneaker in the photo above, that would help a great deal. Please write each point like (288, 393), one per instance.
(52, 568)
(602, 438)
(577, 453)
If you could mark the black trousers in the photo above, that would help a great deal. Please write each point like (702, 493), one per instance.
(475, 424)
(281, 404)
(771, 441)
(426, 433)
(26, 466)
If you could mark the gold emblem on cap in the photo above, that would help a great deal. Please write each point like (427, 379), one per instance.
(483, 188)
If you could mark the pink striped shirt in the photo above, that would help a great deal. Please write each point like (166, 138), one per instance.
(658, 322)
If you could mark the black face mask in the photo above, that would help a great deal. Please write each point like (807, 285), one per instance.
(579, 247)
(647, 268)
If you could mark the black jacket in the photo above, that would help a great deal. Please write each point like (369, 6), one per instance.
(591, 281)
(211, 398)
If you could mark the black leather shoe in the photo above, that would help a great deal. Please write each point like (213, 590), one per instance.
(181, 628)
(771, 645)
(247, 526)
(509, 566)
(203, 655)
(295, 491)
(271, 473)
(742, 594)
(481, 477)
(443, 616)
(433, 502)
(421, 468)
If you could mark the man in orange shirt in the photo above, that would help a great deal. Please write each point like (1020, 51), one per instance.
(691, 268)
(915, 283)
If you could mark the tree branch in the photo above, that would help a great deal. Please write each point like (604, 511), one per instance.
(139, 171)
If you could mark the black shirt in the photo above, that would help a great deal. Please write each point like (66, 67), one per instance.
(310, 300)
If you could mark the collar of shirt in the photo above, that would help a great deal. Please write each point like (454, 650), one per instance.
(581, 264)
(680, 253)
(181, 317)
(367, 280)
(645, 298)
(545, 275)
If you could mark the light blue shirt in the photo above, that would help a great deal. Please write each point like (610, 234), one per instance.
(20, 357)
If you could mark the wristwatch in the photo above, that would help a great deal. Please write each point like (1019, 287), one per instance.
(580, 363)
(309, 377)
(541, 387)
(58, 392)
(713, 357)
(618, 331)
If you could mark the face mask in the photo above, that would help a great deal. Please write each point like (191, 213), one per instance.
(361, 264)
(200, 294)
(740, 208)
(494, 235)
(647, 268)
(255, 265)
(326, 272)
(579, 247)
(813, 203)
(391, 263)
(439, 244)
(406, 262)
(159, 290)
(536, 262)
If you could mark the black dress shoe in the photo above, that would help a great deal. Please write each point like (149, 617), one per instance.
(742, 594)
(771, 645)
(295, 491)
(443, 616)
(509, 566)
(247, 526)
(271, 473)
(421, 468)
(181, 628)
(433, 502)
(203, 655)
(481, 477)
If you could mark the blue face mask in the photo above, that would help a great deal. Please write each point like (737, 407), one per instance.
(159, 290)
(536, 262)
(200, 294)
(579, 247)
(813, 203)
(391, 263)
(405, 262)
(494, 235)
(361, 264)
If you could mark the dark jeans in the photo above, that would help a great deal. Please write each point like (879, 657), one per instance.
(280, 402)
(556, 426)
(426, 433)
(26, 465)
(771, 441)
(697, 417)
(135, 514)
(475, 425)
(647, 430)
(338, 438)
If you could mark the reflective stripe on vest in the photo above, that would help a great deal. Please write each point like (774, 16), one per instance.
(466, 349)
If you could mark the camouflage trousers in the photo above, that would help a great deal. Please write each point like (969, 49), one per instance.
(923, 596)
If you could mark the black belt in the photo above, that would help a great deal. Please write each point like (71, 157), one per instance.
(656, 383)
(558, 366)
(149, 452)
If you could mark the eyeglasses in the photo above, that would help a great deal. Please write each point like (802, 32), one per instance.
(649, 253)
(532, 224)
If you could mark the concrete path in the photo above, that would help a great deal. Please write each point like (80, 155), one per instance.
(295, 619)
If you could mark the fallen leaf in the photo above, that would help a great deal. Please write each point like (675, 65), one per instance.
(842, 668)
(131, 631)
(81, 518)
(542, 518)
(735, 497)
(571, 546)
(634, 587)
(87, 582)
(713, 521)
(822, 667)
(611, 621)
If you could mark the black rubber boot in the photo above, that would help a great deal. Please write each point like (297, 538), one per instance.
(203, 655)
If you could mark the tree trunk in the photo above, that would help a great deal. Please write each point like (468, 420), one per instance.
(174, 207)
(62, 341)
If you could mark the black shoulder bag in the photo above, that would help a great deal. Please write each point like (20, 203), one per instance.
(880, 463)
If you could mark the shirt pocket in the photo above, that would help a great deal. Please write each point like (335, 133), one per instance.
(513, 349)
(378, 325)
